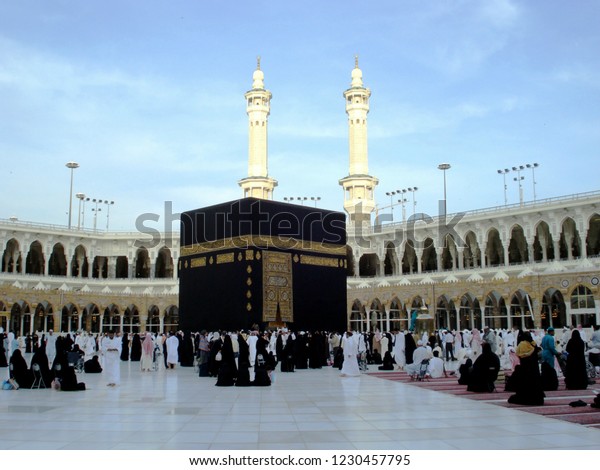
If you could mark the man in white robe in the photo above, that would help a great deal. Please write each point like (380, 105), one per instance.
(51, 346)
(111, 351)
(350, 347)
(398, 350)
(252, 339)
(172, 351)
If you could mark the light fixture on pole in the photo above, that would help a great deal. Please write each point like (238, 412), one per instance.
(533, 166)
(391, 194)
(519, 178)
(503, 173)
(444, 167)
(71, 166)
(95, 210)
(413, 190)
(108, 204)
(315, 199)
(81, 198)
(403, 201)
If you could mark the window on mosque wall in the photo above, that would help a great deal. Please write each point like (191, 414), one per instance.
(582, 298)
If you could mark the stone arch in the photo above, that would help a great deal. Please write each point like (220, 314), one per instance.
(517, 248)
(171, 318)
(398, 316)
(449, 254)
(368, 265)
(11, 258)
(43, 317)
(164, 264)
(57, 265)
(69, 320)
(153, 321)
(357, 316)
(554, 309)
(543, 246)
(445, 313)
(122, 268)
(90, 318)
(79, 262)
(35, 262)
(521, 310)
(4, 314)
(100, 267)
(429, 258)
(472, 252)
(592, 240)
(470, 312)
(495, 313)
(142, 264)
(409, 259)
(570, 241)
(390, 263)
(377, 315)
(111, 319)
(20, 318)
(131, 319)
(494, 249)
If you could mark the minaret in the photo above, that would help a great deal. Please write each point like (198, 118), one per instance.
(359, 186)
(258, 106)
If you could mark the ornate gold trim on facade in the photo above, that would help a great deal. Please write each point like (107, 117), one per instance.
(277, 287)
(225, 258)
(249, 255)
(320, 261)
(262, 242)
(198, 262)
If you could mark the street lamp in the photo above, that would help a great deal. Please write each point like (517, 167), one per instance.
(533, 166)
(71, 166)
(315, 199)
(403, 201)
(81, 198)
(519, 178)
(503, 173)
(108, 204)
(413, 190)
(391, 194)
(95, 210)
(444, 167)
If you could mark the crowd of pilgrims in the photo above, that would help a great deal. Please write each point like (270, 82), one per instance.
(533, 359)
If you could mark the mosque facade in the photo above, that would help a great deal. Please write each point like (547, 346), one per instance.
(534, 264)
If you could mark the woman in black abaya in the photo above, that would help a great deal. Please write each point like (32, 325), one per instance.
(409, 347)
(263, 364)
(41, 359)
(526, 380)
(485, 371)
(125, 347)
(575, 372)
(19, 371)
(136, 348)
(243, 376)
(227, 368)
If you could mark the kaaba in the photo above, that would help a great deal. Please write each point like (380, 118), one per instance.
(260, 262)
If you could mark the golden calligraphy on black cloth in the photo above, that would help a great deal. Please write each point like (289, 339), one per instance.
(277, 287)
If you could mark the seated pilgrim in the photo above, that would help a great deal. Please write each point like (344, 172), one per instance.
(92, 366)
(485, 371)
(436, 368)
(388, 362)
(464, 372)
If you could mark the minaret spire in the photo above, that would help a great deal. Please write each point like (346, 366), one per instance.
(359, 186)
(258, 107)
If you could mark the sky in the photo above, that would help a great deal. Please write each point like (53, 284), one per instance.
(148, 97)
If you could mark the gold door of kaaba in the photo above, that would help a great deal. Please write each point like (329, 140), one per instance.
(277, 287)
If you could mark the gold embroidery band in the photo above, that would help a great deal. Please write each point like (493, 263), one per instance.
(263, 242)
(198, 262)
(320, 261)
(225, 258)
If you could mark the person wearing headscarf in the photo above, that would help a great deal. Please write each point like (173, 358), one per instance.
(172, 351)
(3, 360)
(66, 376)
(526, 381)
(409, 347)
(476, 342)
(227, 368)
(464, 372)
(575, 371)
(485, 371)
(125, 346)
(19, 371)
(92, 366)
(147, 362)
(136, 348)
(264, 363)
(243, 374)
(388, 362)
(41, 359)
(398, 349)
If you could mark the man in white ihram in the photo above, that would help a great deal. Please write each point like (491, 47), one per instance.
(111, 350)
(172, 351)
(350, 364)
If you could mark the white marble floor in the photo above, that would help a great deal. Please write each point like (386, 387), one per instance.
(304, 410)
